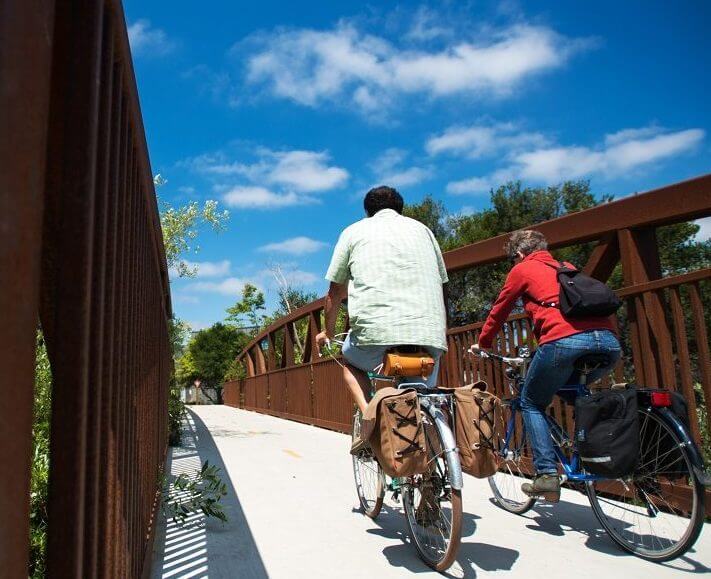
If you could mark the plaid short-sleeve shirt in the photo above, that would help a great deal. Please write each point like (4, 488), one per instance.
(394, 269)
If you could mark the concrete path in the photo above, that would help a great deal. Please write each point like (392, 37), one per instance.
(293, 513)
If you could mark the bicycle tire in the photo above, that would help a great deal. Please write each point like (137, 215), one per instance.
(646, 481)
(449, 554)
(369, 477)
(506, 483)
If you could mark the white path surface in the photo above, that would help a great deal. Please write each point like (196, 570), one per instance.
(293, 513)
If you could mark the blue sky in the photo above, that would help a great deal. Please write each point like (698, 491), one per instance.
(288, 112)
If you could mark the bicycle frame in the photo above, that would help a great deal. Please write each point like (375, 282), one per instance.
(571, 468)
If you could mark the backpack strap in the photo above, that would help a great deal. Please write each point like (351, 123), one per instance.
(560, 268)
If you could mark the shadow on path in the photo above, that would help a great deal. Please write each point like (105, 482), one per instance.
(204, 546)
(566, 517)
(485, 556)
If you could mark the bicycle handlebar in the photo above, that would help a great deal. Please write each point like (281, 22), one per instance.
(516, 361)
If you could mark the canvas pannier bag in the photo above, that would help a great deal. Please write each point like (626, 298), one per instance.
(478, 429)
(408, 364)
(398, 438)
(607, 432)
(581, 296)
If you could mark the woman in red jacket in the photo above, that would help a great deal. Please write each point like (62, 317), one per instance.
(561, 341)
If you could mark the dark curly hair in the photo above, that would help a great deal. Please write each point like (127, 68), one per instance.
(382, 198)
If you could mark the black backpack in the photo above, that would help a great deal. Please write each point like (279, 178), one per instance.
(607, 432)
(582, 296)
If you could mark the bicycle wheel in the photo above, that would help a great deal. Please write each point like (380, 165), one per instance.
(658, 513)
(369, 477)
(433, 509)
(506, 483)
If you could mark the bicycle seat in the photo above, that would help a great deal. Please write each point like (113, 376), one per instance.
(589, 362)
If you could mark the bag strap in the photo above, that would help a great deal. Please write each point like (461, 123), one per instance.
(560, 268)
(489, 417)
(411, 419)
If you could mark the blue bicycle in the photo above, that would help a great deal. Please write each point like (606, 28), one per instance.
(656, 513)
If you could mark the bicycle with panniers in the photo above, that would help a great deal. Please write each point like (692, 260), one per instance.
(420, 466)
(631, 454)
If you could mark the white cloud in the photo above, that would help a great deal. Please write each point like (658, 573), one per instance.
(210, 268)
(197, 326)
(351, 67)
(305, 171)
(478, 141)
(705, 231)
(230, 286)
(249, 197)
(295, 246)
(620, 153)
(427, 25)
(147, 40)
(472, 185)
(275, 179)
(301, 278)
(388, 169)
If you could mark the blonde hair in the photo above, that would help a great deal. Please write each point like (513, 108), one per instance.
(526, 241)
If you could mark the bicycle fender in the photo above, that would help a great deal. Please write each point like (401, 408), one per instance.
(697, 462)
(451, 454)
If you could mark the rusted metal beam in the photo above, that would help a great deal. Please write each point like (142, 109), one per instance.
(604, 258)
(679, 202)
(666, 282)
(71, 172)
(26, 34)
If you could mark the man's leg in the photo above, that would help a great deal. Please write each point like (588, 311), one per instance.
(359, 360)
(358, 383)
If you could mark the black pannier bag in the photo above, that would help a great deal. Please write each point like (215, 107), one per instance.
(607, 432)
(660, 454)
(581, 296)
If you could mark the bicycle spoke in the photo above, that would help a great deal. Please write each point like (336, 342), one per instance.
(646, 517)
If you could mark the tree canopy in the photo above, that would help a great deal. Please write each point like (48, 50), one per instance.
(514, 206)
(209, 354)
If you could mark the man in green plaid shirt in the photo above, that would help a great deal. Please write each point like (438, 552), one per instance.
(390, 267)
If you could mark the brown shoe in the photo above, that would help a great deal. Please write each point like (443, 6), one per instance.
(546, 486)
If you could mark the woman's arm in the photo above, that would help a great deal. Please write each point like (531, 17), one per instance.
(513, 288)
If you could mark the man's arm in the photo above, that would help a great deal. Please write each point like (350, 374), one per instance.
(337, 292)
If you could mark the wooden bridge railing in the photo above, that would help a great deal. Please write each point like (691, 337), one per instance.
(668, 348)
(81, 252)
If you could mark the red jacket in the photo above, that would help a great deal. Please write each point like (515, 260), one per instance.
(531, 278)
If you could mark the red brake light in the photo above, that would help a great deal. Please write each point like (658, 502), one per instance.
(661, 399)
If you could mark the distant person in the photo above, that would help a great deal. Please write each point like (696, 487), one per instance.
(561, 341)
(391, 269)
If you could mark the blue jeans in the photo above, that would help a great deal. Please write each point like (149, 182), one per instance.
(551, 368)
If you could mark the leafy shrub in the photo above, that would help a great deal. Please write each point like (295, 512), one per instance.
(39, 485)
(176, 413)
(189, 495)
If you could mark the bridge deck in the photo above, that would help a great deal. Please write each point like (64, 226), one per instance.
(292, 513)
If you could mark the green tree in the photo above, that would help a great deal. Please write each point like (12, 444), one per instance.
(513, 206)
(182, 226)
(433, 214)
(208, 356)
(248, 310)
